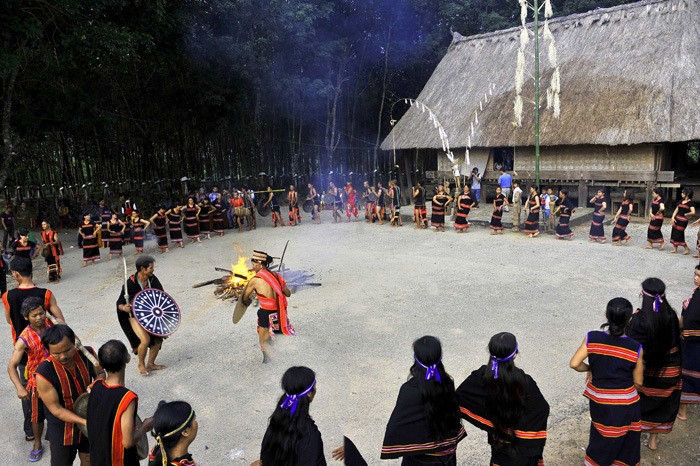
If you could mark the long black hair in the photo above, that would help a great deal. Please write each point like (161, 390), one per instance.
(438, 398)
(662, 323)
(617, 313)
(506, 394)
(279, 447)
(169, 421)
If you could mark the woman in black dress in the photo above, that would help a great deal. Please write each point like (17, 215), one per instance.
(292, 437)
(424, 427)
(679, 219)
(175, 224)
(622, 219)
(565, 209)
(192, 221)
(440, 201)
(656, 213)
(657, 328)
(88, 230)
(503, 400)
(532, 224)
(465, 203)
(597, 232)
(116, 235)
(160, 222)
(498, 203)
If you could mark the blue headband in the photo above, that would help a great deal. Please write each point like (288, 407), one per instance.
(430, 371)
(495, 361)
(291, 401)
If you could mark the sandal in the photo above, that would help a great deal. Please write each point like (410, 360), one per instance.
(35, 456)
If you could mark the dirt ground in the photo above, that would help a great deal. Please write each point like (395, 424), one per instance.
(382, 288)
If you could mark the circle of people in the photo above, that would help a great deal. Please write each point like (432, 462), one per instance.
(643, 370)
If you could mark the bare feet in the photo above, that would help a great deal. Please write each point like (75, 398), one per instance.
(653, 442)
(155, 367)
(143, 371)
(535, 234)
(687, 251)
(674, 251)
(662, 245)
(648, 246)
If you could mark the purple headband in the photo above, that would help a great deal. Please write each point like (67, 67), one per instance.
(430, 371)
(495, 361)
(658, 299)
(290, 403)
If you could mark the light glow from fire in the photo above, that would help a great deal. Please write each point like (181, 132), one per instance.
(240, 268)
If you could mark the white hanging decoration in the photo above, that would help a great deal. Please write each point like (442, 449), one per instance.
(520, 72)
(524, 37)
(518, 109)
(550, 95)
(481, 106)
(469, 141)
(472, 126)
(548, 9)
(552, 53)
(556, 80)
(523, 11)
(557, 106)
(467, 157)
(476, 118)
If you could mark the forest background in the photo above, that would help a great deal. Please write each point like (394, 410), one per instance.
(155, 90)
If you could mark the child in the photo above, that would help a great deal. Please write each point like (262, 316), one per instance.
(29, 343)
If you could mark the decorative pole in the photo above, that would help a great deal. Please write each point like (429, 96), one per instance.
(554, 85)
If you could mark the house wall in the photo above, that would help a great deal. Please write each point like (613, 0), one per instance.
(589, 158)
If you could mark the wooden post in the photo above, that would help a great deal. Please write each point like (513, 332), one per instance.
(582, 193)
(647, 203)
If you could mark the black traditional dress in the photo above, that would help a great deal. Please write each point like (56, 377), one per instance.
(691, 349)
(614, 402)
(464, 206)
(139, 233)
(496, 224)
(218, 218)
(530, 431)
(437, 218)
(532, 224)
(175, 226)
(105, 217)
(565, 210)
(619, 233)
(91, 250)
(159, 228)
(309, 450)
(661, 392)
(408, 436)
(654, 234)
(680, 224)
(115, 237)
(419, 210)
(191, 225)
(205, 219)
(597, 232)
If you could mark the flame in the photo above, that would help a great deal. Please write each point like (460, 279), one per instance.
(240, 268)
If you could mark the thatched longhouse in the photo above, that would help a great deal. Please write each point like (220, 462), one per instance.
(630, 99)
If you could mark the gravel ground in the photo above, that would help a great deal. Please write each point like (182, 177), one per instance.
(382, 288)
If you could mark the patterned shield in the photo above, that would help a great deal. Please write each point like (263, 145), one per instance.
(156, 311)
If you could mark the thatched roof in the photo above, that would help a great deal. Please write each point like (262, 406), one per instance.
(629, 75)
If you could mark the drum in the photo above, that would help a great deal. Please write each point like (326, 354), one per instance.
(308, 206)
(264, 211)
(328, 200)
(241, 211)
(372, 197)
(156, 312)
(80, 408)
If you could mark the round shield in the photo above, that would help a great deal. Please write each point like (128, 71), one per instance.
(156, 311)
(264, 211)
(80, 408)
(308, 206)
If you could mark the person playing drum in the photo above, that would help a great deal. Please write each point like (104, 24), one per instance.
(272, 292)
(274, 207)
(111, 412)
(370, 198)
(60, 380)
(141, 341)
(337, 202)
(293, 199)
